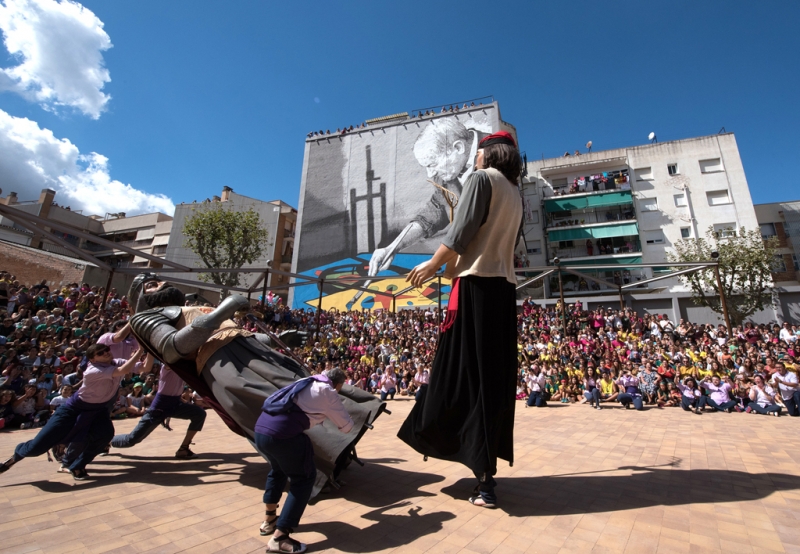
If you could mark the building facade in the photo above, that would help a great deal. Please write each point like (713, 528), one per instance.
(626, 206)
(277, 217)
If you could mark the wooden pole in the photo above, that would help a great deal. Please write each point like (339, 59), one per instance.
(621, 300)
(563, 306)
(108, 288)
(319, 304)
(264, 291)
(723, 300)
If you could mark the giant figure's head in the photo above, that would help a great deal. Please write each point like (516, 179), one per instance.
(148, 290)
(443, 149)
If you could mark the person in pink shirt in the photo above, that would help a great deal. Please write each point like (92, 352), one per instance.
(86, 411)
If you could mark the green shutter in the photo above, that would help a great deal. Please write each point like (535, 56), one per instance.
(622, 262)
(604, 232)
(618, 198)
(565, 204)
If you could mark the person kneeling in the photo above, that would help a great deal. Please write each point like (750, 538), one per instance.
(280, 437)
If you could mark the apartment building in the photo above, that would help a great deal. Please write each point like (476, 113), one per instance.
(616, 208)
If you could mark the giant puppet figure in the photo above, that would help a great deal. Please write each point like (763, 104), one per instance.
(235, 370)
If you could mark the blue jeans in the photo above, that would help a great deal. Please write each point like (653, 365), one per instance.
(627, 399)
(291, 459)
(537, 399)
(699, 402)
(764, 411)
(390, 392)
(721, 407)
(99, 433)
(153, 418)
(593, 397)
(793, 404)
(419, 392)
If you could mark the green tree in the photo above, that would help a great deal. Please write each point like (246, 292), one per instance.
(746, 262)
(224, 238)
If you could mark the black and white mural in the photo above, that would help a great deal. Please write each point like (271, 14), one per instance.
(369, 200)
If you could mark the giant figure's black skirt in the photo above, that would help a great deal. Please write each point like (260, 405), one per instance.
(467, 413)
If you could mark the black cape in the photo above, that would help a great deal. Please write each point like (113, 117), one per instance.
(466, 413)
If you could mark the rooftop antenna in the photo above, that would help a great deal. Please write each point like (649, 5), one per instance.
(652, 137)
(721, 131)
(589, 146)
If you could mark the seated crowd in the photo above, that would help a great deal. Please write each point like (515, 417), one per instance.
(604, 356)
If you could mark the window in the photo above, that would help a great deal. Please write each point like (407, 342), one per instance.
(535, 247)
(654, 237)
(686, 232)
(718, 197)
(711, 166)
(534, 218)
(795, 262)
(649, 204)
(768, 230)
(779, 266)
(565, 244)
(725, 230)
(672, 169)
(680, 200)
(644, 174)
(560, 183)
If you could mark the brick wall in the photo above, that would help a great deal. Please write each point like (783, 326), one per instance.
(31, 266)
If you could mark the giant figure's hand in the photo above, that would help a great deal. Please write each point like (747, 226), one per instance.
(381, 259)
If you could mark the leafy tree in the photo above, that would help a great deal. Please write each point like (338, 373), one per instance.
(746, 262)
(224, 238)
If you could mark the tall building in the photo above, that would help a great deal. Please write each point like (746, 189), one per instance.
(626, 206)
(376, 198)
(277, 217)
(782, 220)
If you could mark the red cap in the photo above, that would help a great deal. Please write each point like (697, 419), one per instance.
(500, 137)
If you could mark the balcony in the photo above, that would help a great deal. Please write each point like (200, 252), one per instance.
(610, 252)
(579, 286)
(588, 201)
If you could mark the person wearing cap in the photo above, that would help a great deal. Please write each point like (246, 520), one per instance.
(467, 412)
(84, 417)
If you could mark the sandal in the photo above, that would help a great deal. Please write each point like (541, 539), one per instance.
(184, 453)
(63, 469)
(286, 545)
(269, 525)
(474, 501)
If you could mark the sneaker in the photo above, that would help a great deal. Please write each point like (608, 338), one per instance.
(598, 407)
(26, 425)
(79, 474)
(748, 410)
(776, 414)
(738, 409)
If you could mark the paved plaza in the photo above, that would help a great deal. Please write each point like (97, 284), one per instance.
(583, 481)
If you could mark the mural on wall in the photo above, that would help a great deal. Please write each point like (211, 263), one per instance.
(368, 206)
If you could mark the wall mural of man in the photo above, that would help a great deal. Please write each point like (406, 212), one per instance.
(367, 207)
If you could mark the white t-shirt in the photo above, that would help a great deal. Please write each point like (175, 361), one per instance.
(786, 392)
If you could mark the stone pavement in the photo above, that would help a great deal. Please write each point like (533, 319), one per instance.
(583, 481)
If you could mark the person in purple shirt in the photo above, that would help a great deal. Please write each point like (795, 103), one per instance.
(281, 438)
(719, 395)
(166, 404)
(86, 411)
(121, 341)
(631, 395)
(691, 397)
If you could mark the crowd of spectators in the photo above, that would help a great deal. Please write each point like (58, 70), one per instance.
(604, 356)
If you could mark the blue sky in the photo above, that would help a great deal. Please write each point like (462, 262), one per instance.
(206, 94)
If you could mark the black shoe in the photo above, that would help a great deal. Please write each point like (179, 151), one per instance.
(5, 466)
(184, 453)
(79, 474)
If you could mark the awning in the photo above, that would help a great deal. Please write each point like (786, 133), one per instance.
(138, 260)
(144, 234)
(161, 240)
(602, 232)
(622, 262)
(611, 198)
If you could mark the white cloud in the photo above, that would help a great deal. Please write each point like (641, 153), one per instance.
(32, 158)
(59, 46)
